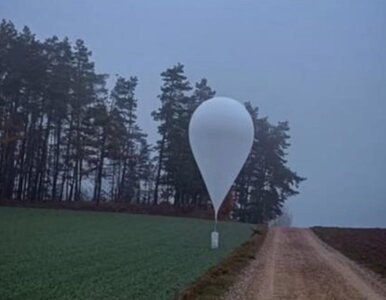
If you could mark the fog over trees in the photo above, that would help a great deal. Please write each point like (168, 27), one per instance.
(62, 131)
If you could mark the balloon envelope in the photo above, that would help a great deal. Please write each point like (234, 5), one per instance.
(221, 135)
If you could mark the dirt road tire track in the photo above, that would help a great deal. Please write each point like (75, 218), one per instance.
(295, 264)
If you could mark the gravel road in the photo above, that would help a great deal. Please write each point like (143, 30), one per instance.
(295, 264)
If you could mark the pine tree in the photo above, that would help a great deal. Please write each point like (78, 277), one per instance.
(124, 104)
(173, 98)
(187, 181)
(84, 80)
(59, 94)
(10, 81)
(265, 181)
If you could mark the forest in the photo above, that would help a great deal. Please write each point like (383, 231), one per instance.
(62, 130)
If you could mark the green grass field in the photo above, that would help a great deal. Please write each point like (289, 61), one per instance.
(58, 254)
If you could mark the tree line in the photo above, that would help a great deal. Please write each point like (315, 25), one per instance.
(65, 137)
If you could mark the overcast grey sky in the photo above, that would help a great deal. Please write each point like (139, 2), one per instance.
(321, 65)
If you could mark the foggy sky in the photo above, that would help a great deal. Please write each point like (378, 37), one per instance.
(321, 65)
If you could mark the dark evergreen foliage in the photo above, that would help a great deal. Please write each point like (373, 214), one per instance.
(63, 133)
(60, 130)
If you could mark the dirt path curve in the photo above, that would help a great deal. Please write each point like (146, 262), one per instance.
(295, 264)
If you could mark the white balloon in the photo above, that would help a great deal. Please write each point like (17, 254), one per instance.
(221, 134)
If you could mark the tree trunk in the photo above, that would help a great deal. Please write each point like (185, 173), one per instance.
(158, 177)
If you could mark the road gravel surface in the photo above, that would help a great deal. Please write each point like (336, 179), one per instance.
(294, 264)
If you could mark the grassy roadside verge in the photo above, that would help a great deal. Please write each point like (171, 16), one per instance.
(217, 280)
